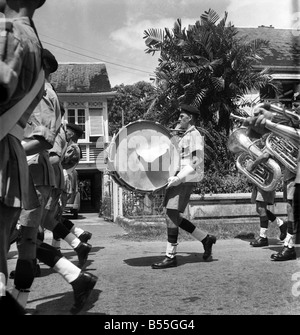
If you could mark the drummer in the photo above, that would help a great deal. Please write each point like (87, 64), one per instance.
(180, 187)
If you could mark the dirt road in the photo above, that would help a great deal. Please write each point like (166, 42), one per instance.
(240, 280)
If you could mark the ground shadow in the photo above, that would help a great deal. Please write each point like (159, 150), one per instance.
(279, 247)
(272, 241)
(181, 259)
(71, 253)
(70, 216)
(72, 257)
(61, 303)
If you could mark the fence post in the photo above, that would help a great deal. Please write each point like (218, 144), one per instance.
(120, 212)
(115, 201)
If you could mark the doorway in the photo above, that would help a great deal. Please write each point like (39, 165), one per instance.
(90, 188)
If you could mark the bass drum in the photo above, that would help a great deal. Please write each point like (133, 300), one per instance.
(142, 156)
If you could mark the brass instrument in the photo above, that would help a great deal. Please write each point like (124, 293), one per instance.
(287, 132)
(282, 143)
(283, 150)
(280, 110)
(266, 175)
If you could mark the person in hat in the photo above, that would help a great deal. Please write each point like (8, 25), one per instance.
(41, 132)
(69, 163)
(257, 124)
(39, 136)
(180, 187)
(21, 84)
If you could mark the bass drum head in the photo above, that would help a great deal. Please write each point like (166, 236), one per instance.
(144, 155)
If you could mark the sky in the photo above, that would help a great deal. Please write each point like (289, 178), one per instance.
(111, 31)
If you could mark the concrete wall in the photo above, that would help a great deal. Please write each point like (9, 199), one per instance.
(229, 208)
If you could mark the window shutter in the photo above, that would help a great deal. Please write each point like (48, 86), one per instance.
(96, 122)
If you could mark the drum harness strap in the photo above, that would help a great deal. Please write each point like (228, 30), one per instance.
(8, 121)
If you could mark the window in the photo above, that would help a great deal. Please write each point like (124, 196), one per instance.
(96, 122)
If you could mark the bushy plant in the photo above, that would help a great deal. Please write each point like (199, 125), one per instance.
(216, 182)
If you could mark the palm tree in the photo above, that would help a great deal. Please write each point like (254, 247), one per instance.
(206, 65)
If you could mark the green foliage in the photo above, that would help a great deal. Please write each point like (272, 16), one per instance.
(206, 65)
(130, 104)
(218, 182)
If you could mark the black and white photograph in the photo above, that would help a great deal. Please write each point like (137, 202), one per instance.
(149, 164)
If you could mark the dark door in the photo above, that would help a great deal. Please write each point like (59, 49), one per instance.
(89, 184)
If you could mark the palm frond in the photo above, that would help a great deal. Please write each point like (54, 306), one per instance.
(218, 83)
(153, 39)
(209, 16)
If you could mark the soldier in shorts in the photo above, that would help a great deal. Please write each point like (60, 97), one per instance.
(21, 89)
(180, 187)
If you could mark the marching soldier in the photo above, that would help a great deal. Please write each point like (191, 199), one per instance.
(21, 89)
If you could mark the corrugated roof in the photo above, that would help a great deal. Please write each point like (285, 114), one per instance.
(282, 42)
(81, 78)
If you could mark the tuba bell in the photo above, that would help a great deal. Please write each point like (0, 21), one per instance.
(283, 141)
(267, 175)
(290, 133)
(288, 114)
(285, 151)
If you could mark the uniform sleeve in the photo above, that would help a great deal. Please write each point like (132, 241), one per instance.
(197, 142)
(59, 144)
(45, 121)
(11, 61)
(19, 61)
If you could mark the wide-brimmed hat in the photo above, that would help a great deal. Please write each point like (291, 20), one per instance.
(189, 109)
(52, 63)
(41, 2)
(77, 129)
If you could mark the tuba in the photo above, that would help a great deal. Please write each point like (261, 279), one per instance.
(283, 142)
(283, 150)
(289, 133)
(291, 115)
(267, 175)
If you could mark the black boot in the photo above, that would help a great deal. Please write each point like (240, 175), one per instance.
(167, 262)
(82, 287)
(85, 236)
(260, 242)
(10, 307)
(82, 251)
(285, 254)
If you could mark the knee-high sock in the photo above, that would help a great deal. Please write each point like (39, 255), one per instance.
(171, 249)
(172, 241)
(264, 224)
(2, 284)
(77, 231)
(54, 259)
(199, 234)
(67, 223)
(67, 269)
(24, 277)
(192, 229)
(21, 296)
(72, 240)
(61, 231)
(271, 216)
(289, 241)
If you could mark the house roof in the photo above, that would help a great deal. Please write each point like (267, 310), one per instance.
(81, 78)
(281, 52)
